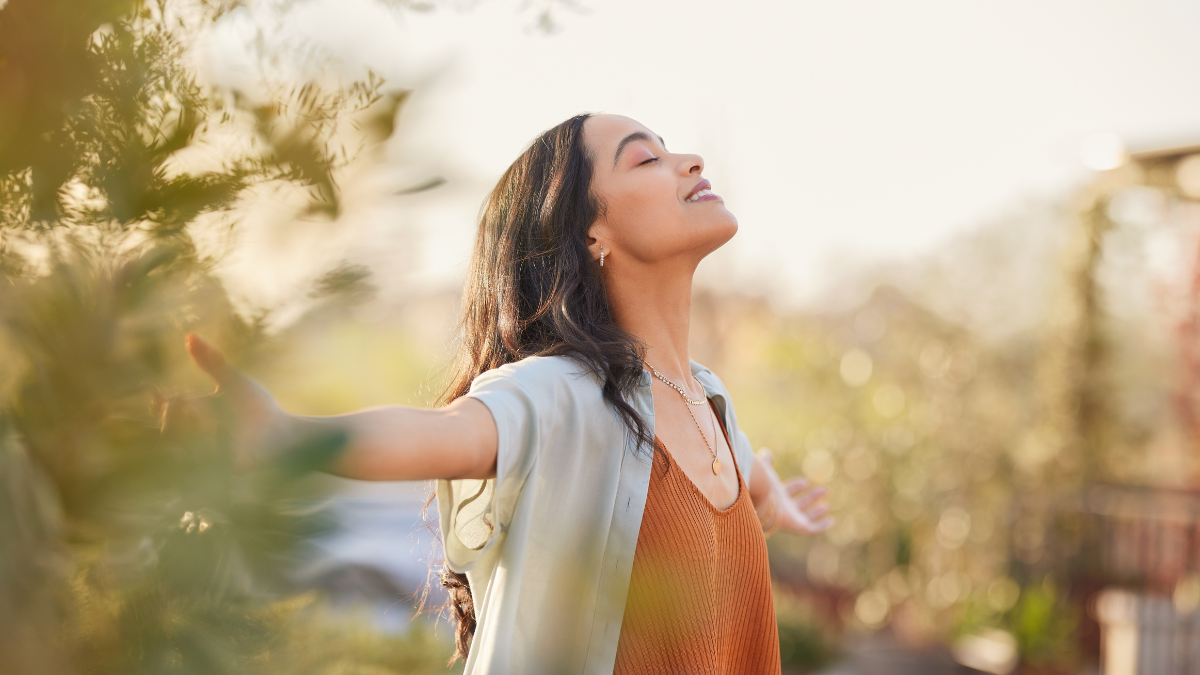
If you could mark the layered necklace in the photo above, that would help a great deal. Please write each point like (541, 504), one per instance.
(716, 463)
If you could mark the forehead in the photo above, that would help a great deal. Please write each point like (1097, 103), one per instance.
(602, 133)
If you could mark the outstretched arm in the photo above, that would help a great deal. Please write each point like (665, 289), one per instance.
(398, 442)
(793, 506)
(385, 443)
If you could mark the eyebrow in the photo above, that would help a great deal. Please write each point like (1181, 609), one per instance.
(635, 136)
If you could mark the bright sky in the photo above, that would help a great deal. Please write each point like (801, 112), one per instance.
(838, 132)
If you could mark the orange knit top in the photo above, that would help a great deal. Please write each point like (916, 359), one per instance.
(700, 592)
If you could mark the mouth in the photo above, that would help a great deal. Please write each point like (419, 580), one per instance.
(702, 192)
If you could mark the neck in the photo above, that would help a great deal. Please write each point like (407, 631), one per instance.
(654, 305)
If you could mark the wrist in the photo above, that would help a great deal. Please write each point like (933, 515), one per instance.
(769, 519)
(299, 444)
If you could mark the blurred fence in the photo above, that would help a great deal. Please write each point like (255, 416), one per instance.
(1147, 634)
(1146, 538)
(1146, 547)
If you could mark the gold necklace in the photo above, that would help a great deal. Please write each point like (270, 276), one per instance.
(689, 399)
(716, 463)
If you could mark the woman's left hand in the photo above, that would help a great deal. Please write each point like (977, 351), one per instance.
(792, 506)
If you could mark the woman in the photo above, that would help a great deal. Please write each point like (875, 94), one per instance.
(600, 509)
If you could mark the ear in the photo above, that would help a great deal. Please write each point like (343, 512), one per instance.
(597, 236)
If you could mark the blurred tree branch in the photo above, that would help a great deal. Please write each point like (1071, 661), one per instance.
(128, 543)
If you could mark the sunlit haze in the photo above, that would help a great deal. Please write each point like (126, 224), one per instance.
(838, 133)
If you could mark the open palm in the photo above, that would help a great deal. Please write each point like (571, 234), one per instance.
(795, 505)
(256, 420)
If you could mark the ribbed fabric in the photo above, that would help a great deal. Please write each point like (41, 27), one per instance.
(700, 594)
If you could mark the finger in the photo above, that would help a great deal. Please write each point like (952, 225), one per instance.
(821, 525)
(209, 358)
(158, 405)
(813, 495)
(796, 484)
(800, 523)
(816, 512)
(179, 415)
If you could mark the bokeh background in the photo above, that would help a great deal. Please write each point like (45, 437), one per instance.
(965, 295)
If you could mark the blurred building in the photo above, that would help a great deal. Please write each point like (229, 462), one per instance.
(1142, 550)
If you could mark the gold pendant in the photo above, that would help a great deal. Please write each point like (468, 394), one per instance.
(716, 467)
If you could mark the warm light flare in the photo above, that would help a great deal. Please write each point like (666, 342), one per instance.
(1102, 151)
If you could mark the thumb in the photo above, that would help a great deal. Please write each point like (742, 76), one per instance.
(209, 359)
(767, 455)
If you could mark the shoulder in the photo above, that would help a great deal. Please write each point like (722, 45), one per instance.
(715, 388)
(551, 395)
(742, 450)
(544, 375)
(709, 379)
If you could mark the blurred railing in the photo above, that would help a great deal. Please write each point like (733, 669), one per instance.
(1148, 538)
(1146, 555)
(1147, 634)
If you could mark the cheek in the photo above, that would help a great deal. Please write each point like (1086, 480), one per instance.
(646, 210)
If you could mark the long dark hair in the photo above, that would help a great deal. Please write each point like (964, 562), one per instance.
(533, 289)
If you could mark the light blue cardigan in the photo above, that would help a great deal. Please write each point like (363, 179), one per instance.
(548, 544)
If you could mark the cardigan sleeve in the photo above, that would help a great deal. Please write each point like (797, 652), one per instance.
(474, 514)
(743, 453)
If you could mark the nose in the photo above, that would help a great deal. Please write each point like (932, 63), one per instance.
(692, 164)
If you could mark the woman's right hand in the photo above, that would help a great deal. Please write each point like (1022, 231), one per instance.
(259, 424)
(391, 442)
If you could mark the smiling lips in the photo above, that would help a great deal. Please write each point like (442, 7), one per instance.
(702, 193)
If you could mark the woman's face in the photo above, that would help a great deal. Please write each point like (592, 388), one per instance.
(658, 206)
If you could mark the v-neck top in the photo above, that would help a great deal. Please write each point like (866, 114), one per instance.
(549, 543)
(700, 591)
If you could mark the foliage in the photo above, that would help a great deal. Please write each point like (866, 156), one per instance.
(128, 544)
(958, 444)
(1042, 623)
(128, 541)
(804, 645)
(101, 140)
(910, 419)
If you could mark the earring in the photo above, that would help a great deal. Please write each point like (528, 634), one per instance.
(602, 256)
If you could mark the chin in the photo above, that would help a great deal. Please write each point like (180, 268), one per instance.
(721, 232)
(729, 223)
(731, 229)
